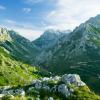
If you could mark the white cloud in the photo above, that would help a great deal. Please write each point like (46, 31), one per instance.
(30, 34)
(70, 13)
(26, 10)
(67, 14)
(2, 7)
(25, 29)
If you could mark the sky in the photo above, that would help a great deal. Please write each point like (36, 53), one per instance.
(31, 18)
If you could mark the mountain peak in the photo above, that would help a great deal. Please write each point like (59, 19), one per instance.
(51, 32)
(4, 35)
(3, 31)
(57, 32)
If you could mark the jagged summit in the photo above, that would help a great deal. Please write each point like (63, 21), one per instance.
(49, 38)
(4, 35)
(52, 31)
(3, 30)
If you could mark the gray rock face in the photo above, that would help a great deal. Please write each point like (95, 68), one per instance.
(49, 39)
(50, 98)
(3, 31)
(62, 88)
(72, 79)
(4, 36)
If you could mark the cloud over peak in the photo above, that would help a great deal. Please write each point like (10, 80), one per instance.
(70, 13)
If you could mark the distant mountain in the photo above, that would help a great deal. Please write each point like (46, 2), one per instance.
(19, 47)
(46, 42)
(49, 38)
(78, 52)
(83, 44)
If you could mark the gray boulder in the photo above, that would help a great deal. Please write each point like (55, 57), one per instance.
(64, 90)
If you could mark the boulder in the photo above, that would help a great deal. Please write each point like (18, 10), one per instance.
(38, 85)
(1, 95)
(62, 88)
(45, 79)
(71, 78)
(22, 93)
(33, 82)
(47, 88)
(54, 89)
(81, 83)
(50, 98)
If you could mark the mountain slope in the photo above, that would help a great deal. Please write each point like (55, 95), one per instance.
(46, 42)
(79, 52)
(49, 39)
(53, 88)
(14, 50)
(13, 72)
(19, 47)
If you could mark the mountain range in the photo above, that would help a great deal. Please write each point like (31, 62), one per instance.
(76, 52)
(58, 52)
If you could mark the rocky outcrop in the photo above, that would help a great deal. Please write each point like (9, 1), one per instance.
(64, 85)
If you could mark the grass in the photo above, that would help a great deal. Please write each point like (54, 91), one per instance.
(13, 72)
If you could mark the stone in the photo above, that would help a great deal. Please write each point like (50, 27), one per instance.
(33, 82)
(47, 88)
(50, 98)
(70, 78)
(5, 92)
(56, 79)
(54, 89)
(71, 90)
(81, 84)
(64, 78)
(38, 85)
(10, 92)
(45, 79)
(22, 93)
(62, 88)
(31, 88)
(44, 84)
(1, 95)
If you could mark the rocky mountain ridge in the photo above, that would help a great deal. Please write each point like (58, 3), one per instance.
(49, 39)
(19, 47)
(78, 52)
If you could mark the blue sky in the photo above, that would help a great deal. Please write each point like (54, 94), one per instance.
(32, 17)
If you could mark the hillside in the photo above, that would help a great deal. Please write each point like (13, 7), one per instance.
(78, 52)
(13, 72)
(19, 47)
(65, 87)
